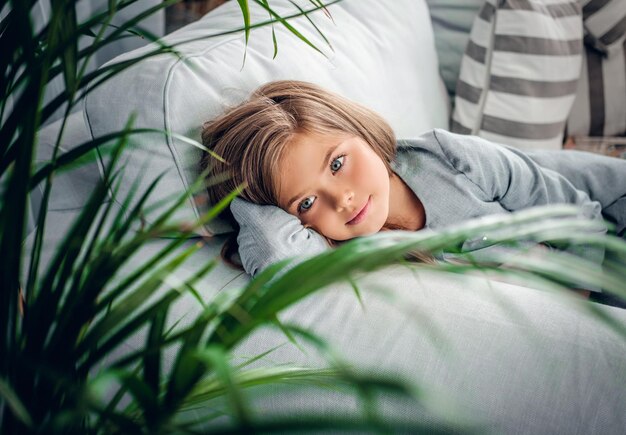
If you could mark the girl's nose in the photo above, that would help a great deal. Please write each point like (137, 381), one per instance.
(343, 199)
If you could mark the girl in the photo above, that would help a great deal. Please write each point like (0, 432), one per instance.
(319, 169)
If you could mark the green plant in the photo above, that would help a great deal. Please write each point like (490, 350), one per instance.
(84, 305)
(59, 323)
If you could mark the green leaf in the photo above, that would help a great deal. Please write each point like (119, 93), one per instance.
(137, 274)
(289, 27)
(258, 357)
(125, 308)
(274, 42)
(70, 54)
(357, 292)
(319, 4)
(44, 308)
(98, 351)
(314, 25)
(81, 153)
(190, 283)
(99, 383)
(216, 358)
(211, 387)
(152, 362)
(15, 404)
(83, 277)
(14, 197)
(245, 10)
(87, 32)
(120, 423)
(142, 393)
(112, 7)
(288, 334)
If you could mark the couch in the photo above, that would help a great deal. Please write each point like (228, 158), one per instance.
(512, 358)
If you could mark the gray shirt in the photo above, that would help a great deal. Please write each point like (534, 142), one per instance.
(458, 177)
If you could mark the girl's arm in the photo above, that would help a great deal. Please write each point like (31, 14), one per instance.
(512, 178)
(269, 234)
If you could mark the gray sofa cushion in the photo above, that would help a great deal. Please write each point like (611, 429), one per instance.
(522, 361)
(515, 359)
(452, 23)
(70, 189)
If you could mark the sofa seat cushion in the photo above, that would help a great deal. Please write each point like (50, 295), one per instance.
(508, 357)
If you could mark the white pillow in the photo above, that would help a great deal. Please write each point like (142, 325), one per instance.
(384, 57)
(520, 72)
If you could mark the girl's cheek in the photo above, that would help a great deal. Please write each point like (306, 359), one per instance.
(319, 215)
(309, 217)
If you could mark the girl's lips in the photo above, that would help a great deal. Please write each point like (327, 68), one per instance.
(360, 215)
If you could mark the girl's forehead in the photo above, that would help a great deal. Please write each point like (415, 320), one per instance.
(306, 148)
(320, 135)
(323, 138)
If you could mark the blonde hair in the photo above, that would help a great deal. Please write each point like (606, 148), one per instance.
(252, 138)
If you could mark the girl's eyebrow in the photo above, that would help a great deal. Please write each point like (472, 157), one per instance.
(293, 199)
(326, 158)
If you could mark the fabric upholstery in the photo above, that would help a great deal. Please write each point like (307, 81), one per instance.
(154, 23)
(513, 359)
(520, 72)
(452, 23)
(70, 189)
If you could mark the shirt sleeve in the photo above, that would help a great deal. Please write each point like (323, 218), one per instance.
(512, 178)
(269, 234)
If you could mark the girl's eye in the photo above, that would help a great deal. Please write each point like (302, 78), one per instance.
(337, 163)
(306, 204)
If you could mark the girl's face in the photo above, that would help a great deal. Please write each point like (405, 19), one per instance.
(336, 184)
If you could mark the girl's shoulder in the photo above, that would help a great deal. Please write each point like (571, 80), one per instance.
(442, 140)
(436, 143)
(425, 140)
(424, 152)
(460, 150)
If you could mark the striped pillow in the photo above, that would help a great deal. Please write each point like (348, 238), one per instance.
(605, 23)
(520, 72)
(600, 105)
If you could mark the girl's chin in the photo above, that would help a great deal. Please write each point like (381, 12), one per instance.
(350, 236)
(373, 229)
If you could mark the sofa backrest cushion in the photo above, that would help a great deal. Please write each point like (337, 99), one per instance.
(382, 55)
(452, 23)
